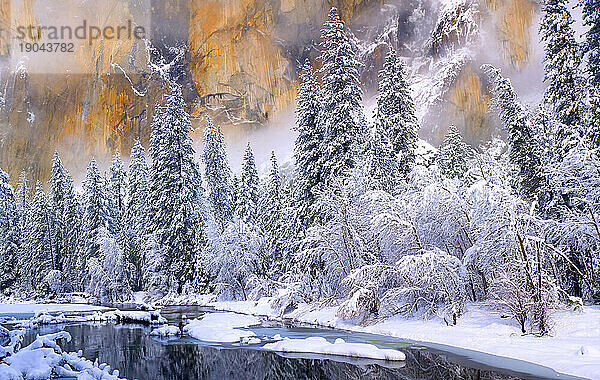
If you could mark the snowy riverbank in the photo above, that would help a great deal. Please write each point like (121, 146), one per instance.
(573, 348)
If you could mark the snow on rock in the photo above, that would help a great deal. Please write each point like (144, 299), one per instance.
(41, 318)
(319, 345)
(4, 331)
(221, 327)
(130, 316)
(44, 359)
(166, 331)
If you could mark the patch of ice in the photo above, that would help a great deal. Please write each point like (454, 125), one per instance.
(221, 327)
(319, 345)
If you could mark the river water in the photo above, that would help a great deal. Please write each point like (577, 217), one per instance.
(137, 355)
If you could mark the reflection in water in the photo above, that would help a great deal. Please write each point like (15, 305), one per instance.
(130, 349)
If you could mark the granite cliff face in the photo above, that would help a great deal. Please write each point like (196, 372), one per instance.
(238, 62)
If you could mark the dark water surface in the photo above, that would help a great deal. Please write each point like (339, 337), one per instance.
(130, 349)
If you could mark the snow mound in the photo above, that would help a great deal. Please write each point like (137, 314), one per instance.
(319, 345)
(33, 308)
(166, 331)
(221, 327)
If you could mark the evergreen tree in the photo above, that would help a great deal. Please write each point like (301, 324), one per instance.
(396, 111)
(525, 152)
(272, 221)
(10, 234)
(118, 183)
(39, 246)
(248, 195)
(22, 199)
(307, 150)
(58, 185)
(67, 221)
(135, 215)
(72, 235)
(561, 62)
(97, 212)
(591, 17)
(175, 192)
(452, 154)
(342, 116)
(218, 176)
(382, 165)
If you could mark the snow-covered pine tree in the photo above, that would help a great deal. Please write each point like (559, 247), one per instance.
(135, 214)
(452, 154)
(248, 195)
(22, 199)
(118, 184)
(218, 176)
(10, 234)
(271, 219)
(235, 189)
(307, 150)
(72, 235)
(342, 116)
(591, 18)
(396, 111)
(67, 221)
(97, 212)
(175, 192)
(382, 164)
(39, 246)
(57, 198)
(561, 62)
(524, 149)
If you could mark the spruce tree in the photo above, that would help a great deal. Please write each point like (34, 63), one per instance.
(561, 62)
(396, 111)
(10, 234)
(118, 183)
(591, 18)
(98, 214)
(382, 165)
(22, 199)
(67, 221)
(39, 246)
(218, 176)
(135, 215)
(248, 195)
(272, 220)
(523, 141)
(342, 116)
(307, 150)
(175, 192)
(452, 155)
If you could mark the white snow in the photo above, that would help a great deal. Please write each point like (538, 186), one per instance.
(573, 348)
(320, 345)
(42, 318)
(33, 308)
(221, 327)
(166, 331)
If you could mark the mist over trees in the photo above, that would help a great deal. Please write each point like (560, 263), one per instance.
(358, 221)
